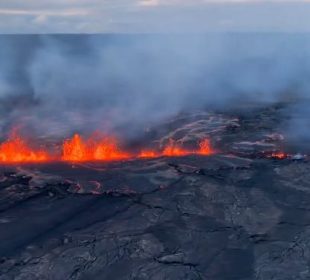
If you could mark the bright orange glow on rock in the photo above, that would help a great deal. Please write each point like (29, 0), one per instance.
(279, 155)
(107, 149)
(15, 149)
(78, 149)
(205, 148)
(173, 150)
(148, 154)
(75, 149)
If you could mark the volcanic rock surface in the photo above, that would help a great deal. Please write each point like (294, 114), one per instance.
(238, 214)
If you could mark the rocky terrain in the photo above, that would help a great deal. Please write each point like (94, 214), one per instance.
(242, 213)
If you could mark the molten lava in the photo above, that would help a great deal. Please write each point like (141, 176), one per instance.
(75, 149)
(279, 155)
(78, 149)
(15, 149)
(205, 148)
(107, 149)
(174, 150)
(148, 154)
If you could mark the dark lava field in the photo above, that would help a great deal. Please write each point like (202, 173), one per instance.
(242, 213)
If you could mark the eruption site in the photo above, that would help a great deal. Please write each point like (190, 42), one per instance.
(16, 149)
(155, 157)
(78, 149)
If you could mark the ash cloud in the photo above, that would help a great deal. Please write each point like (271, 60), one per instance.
(54, 85)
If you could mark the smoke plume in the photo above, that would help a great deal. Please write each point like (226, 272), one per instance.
(54, 85)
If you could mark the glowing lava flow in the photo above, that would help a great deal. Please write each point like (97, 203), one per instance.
(106, 149)
(148, 154)
(279, 155)
(175, 150)
(205, 148)
(78, 149)
(75, 149)
(15, 149)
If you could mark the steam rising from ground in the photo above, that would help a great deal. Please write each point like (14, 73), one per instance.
(56, 85)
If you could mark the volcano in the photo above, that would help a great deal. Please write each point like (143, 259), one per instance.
(213, 195)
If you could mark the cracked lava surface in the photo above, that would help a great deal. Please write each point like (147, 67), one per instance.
(232, 215)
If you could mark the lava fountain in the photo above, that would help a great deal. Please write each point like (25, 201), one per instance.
(15, 149)
(79, 149)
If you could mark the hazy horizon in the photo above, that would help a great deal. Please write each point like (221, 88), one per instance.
(153, 16)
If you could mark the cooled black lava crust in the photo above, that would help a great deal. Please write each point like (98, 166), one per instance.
(233, 215)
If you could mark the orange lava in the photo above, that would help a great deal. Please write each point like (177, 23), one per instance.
(173, 150)
(107, 149)
(15, 149)
(205, 148)
(78, 149)
(75, 149)
(148, 154)
(279, 155)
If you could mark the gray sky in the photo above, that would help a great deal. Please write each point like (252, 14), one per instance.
(92, 16)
